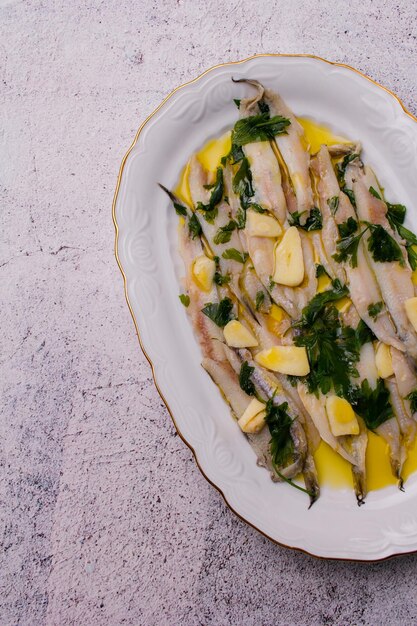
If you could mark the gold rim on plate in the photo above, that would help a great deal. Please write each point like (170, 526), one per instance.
(119, 178)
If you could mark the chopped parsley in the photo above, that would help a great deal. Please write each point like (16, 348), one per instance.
(235, 255)
(185, 300)
(363, 334)
(373, 405)
(321, 271)
(396, 216)
(332, 351)
(224, 233)
(412, 397)
(341, 172)
(219, 313)
(332, 347)
(194, 226)
(259, 300)
(316, 305)
(221, 279)
(341, 167)
(313, 222)
(374, 193)
(242, 183)
(375, 309)
(279, 423)
(180, 209)
(245, 381)
(348, 244)
(333, 204)
(260, 127)
(350, 195)
(210, 209)
(382, 246)
(263, 106)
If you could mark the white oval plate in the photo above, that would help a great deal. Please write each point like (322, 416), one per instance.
(146, 248)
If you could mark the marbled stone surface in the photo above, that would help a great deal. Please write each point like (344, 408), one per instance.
(105, 518)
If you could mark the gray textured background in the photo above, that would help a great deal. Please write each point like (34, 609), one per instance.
(105, 518)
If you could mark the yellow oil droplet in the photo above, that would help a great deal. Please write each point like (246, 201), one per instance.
(211, 154)
(317, 134)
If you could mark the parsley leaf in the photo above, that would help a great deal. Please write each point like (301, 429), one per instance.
(245, 382)
(216, 195)
(313, 222)
(350, 195)
(235, 155)
(396, 216)
(347, 228)
(382, 246)
(316, 305)
(221, 279)
(374, 193)
(194, 226)
(242, 183)
(363, 334)
(348, 243)
(332, 351)
(258, 128)
(412, 257)
(321, 271)
(235, 255)
(237, 102)
(263, 106)
(279, 423)
(375, 309)
(259, 300)
(333, 204)
(224, 234)
(373, 405)
(220, 313)
(412, 397)
(179, 209)
(340, 173)
(341, 167)
(185, 300)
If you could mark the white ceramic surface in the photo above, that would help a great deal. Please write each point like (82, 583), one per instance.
(147, 249)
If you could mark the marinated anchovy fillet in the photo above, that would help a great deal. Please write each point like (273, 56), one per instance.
(337, 210)
(386, 258)
(300, 289)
